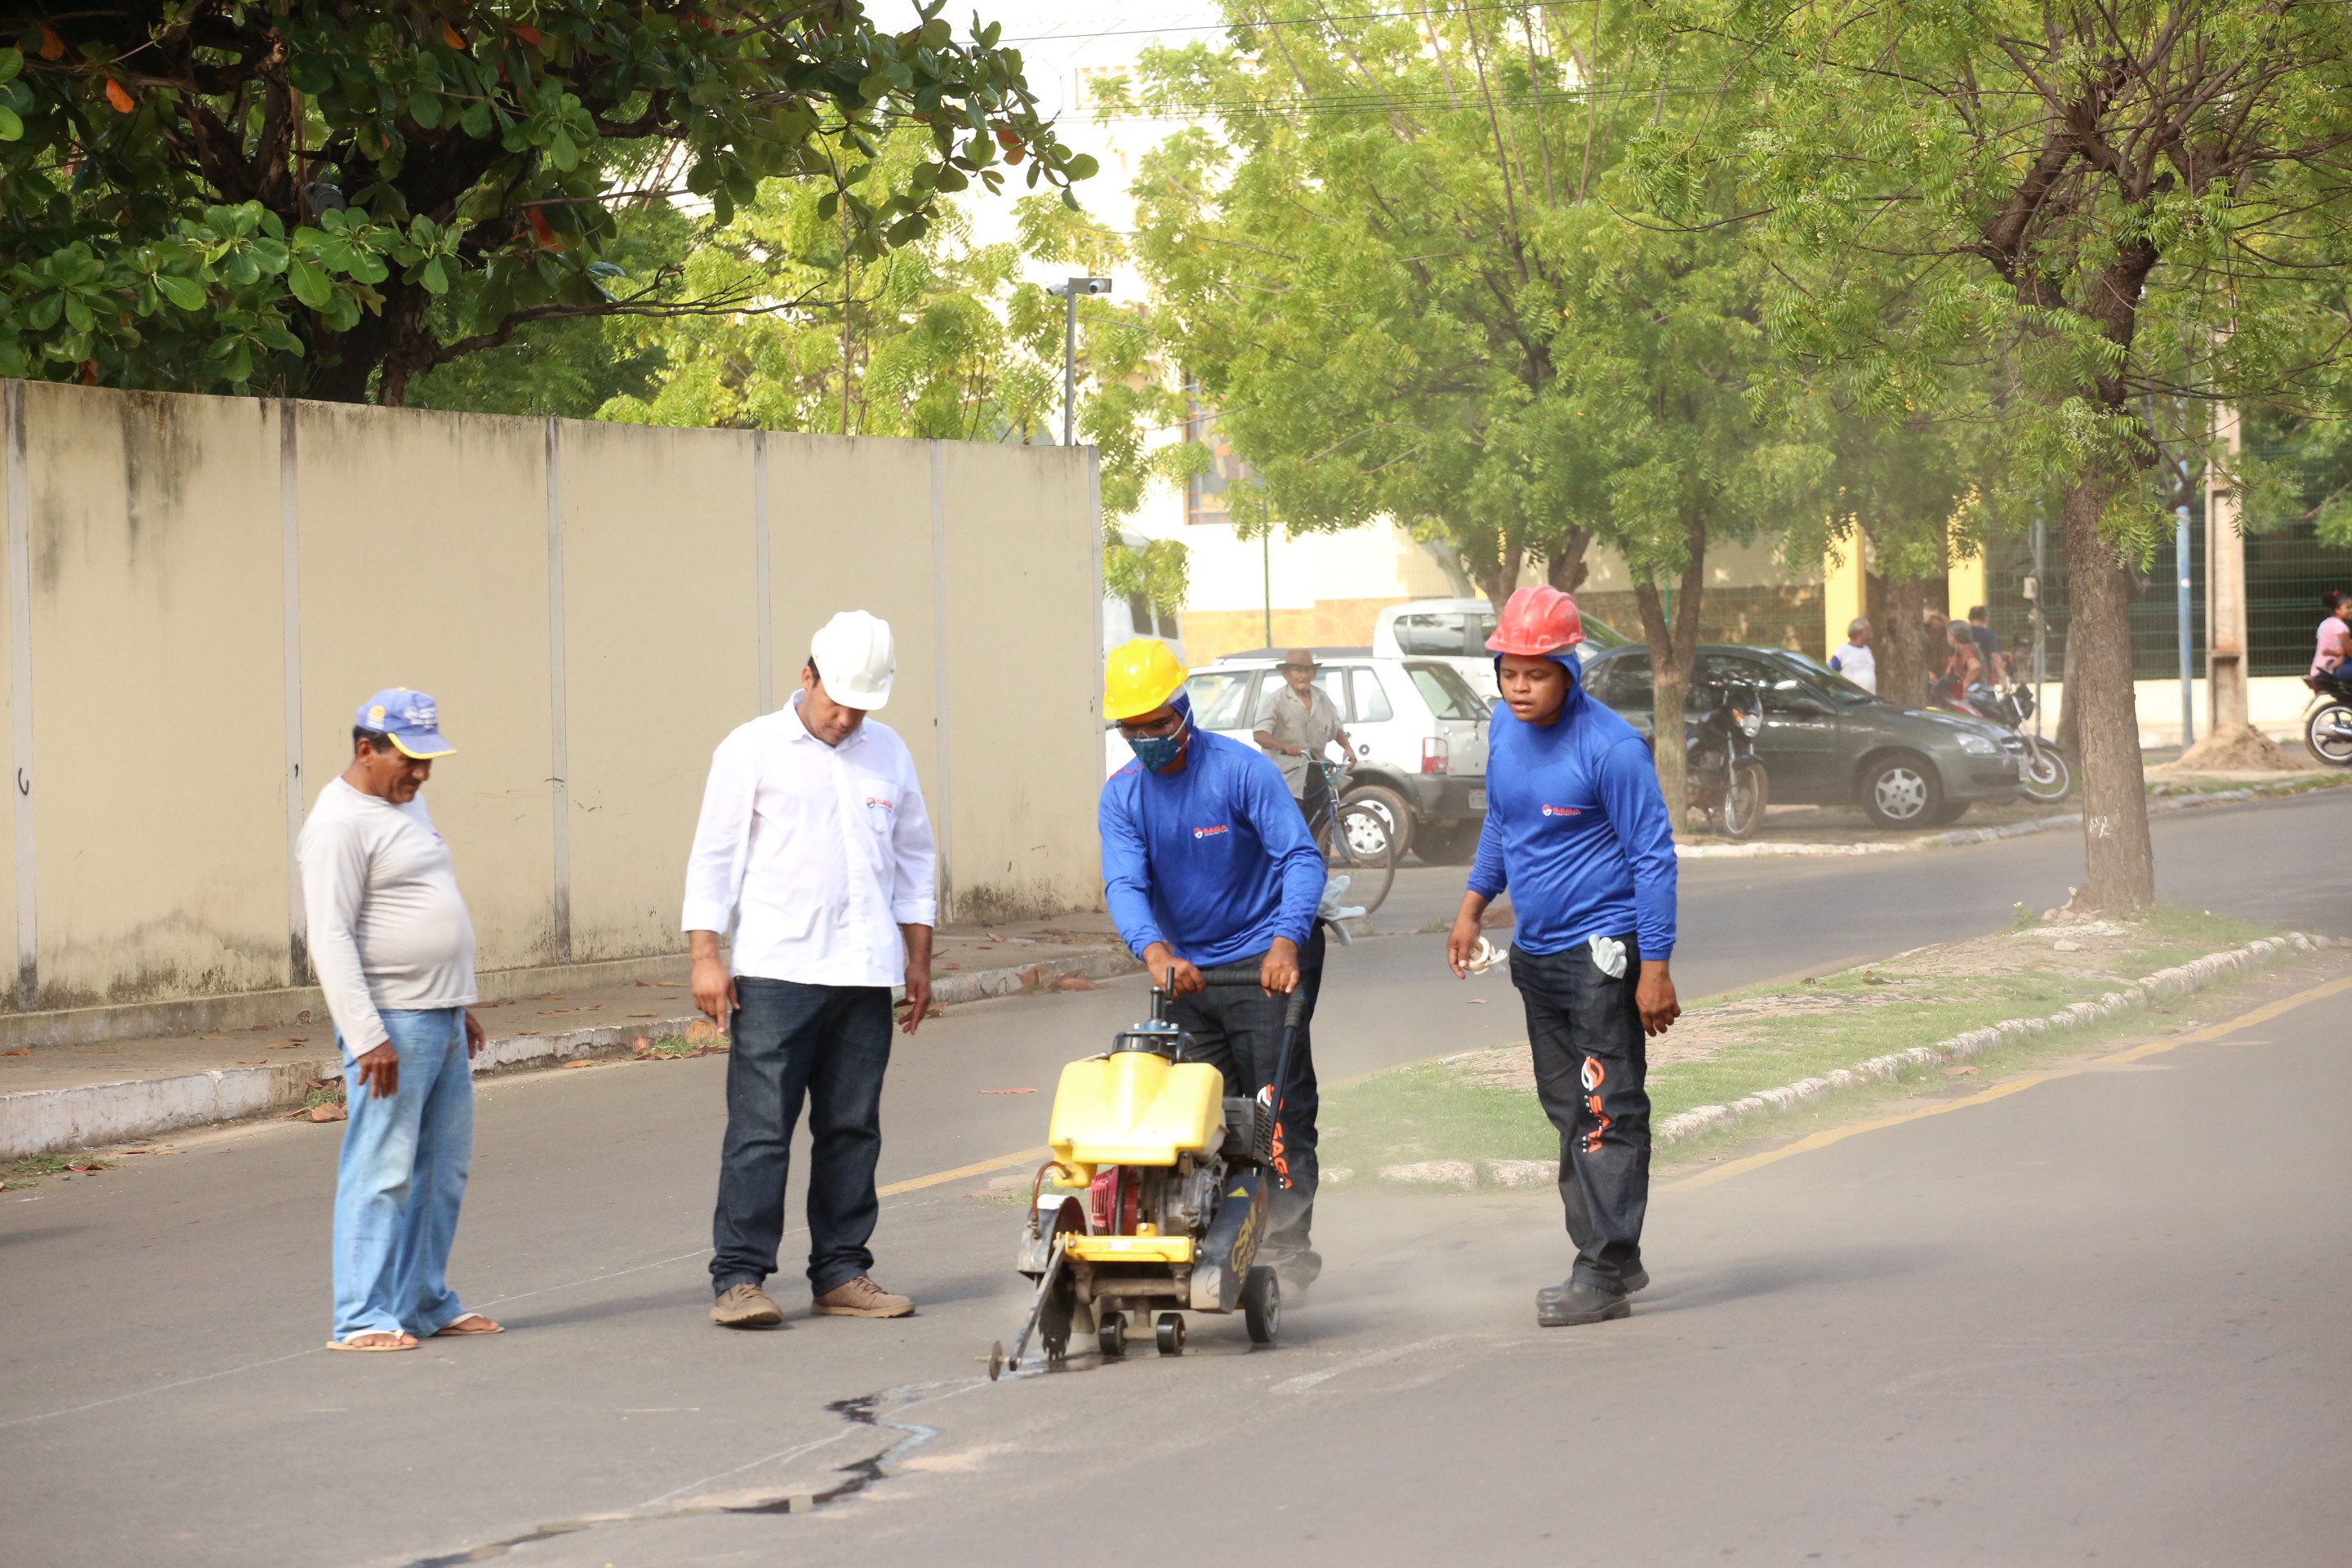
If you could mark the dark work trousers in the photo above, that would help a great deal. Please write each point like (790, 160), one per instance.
(1592, 1060)
(1237, 1029)
(829, 1045)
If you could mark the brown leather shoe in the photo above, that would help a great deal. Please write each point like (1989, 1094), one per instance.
(861, 1297)
(746, 1307)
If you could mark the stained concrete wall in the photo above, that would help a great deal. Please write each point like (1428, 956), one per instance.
(199, 592)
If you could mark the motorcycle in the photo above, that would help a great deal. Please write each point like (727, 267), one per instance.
(1721, 772)
(2327, 727)
(2043, 770)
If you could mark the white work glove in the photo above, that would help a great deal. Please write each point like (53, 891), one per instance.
(1609, 956)
(1333, 911)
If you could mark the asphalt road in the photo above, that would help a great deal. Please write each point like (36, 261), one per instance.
(2103, 1315)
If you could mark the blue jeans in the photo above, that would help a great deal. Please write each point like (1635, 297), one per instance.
(827, 1044)
(402, 1179)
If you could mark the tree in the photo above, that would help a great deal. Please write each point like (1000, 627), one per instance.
(2115, 199)
(1409, 275)
(939, 338)
(331, 199)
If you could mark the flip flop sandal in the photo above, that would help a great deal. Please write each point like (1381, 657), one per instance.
(399, 1342)
(455, 1327)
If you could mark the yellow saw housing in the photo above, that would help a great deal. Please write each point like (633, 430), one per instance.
(1135, 1107)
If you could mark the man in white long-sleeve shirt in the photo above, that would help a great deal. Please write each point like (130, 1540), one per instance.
(393, 948)
(814, 852)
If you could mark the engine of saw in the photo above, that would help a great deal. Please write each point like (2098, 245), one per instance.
(1156, 1199)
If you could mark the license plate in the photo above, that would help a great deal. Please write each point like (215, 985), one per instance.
(1477, 800)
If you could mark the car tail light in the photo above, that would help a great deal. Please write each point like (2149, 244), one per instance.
(1433, 754)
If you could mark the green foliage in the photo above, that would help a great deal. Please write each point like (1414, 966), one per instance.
(1411, 278)
(316, 197)
(2074, 222)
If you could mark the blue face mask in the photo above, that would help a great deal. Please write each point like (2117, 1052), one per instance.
(1155, 752)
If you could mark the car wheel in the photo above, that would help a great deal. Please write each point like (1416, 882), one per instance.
(1391, 806)
(1901, 791)
(1950, 811)
(1448, 844)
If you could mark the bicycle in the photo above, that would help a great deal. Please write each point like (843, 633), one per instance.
(1354, 840)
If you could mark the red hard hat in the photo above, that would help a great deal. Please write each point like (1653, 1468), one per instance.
(1537, 621)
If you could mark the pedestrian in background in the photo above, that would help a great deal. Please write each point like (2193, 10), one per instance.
(815, 852)
(2334, 633)
(1988, 644)
(1855, 660)
(1579, 833)
(1963, 665)
(1295, 727)
(393, 948)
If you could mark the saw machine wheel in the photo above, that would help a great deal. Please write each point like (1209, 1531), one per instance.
(1170, 1333)
(1262, 1305)
(1110, 1336)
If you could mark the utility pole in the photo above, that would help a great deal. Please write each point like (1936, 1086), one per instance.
(1266, 567)
(2225, 587)
(1068, 292)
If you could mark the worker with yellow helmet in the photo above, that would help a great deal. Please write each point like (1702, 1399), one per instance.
(1206, 862)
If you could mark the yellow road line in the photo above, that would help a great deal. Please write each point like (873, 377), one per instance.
(1823, 1140)
(1026, 1157)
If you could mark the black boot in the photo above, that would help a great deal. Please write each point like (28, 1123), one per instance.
(1636, 1278)
(1579, 1301)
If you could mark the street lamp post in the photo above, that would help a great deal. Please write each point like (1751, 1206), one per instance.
(1068, 292)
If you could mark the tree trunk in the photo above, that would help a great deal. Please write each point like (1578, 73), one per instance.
(2118, 859)
(1903, 652)
(1672, 650)
(1498, 580)
(1564, 562)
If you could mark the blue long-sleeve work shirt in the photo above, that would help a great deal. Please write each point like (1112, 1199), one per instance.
(1577, 829)
(1214, 860)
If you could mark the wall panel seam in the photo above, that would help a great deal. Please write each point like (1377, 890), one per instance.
(290, 525)
(943, 812)
(767, 610)
(20, 697)
(559, 737)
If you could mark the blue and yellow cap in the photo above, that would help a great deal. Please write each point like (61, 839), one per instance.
(409, 718)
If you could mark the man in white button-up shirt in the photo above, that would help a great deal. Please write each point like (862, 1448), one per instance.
(814, 850)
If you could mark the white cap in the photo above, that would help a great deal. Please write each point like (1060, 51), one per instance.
(856, 660)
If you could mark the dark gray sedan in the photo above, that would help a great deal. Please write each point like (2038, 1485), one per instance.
(1826, 741)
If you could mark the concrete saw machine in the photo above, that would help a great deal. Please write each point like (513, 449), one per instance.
(1158, 1196)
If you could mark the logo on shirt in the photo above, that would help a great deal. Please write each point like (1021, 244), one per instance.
(1563, 811)
(1209, 832)
(876, 800)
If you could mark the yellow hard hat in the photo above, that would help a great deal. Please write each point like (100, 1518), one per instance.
(1139, 675)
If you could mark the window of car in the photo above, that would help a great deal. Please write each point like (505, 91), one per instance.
(1444, 632)
(1828, 682)
(1448, 695)
(1622, 681)
(1225, 699)
(1371, 705)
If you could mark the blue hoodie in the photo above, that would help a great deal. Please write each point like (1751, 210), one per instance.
(1577, 829)
(1214, 860)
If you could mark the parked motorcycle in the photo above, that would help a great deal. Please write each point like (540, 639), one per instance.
(2328, 729)
(1722, 774)
(2043, 770)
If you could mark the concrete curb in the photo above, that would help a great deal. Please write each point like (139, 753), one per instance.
(40, 1121)
(1976, 835)
(2165, 984)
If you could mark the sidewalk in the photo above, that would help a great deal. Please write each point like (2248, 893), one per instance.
(55, 1096)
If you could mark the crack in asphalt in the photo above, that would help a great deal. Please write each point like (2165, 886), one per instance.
(865, 1412)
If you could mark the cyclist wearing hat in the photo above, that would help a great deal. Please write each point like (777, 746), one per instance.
(1206, 861)
(1577, 831)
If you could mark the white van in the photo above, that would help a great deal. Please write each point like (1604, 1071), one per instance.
(1456, 631)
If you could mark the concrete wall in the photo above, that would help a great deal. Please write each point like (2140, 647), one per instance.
(199, 592)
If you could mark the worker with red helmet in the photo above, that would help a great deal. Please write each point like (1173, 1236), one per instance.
(1579, 832)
